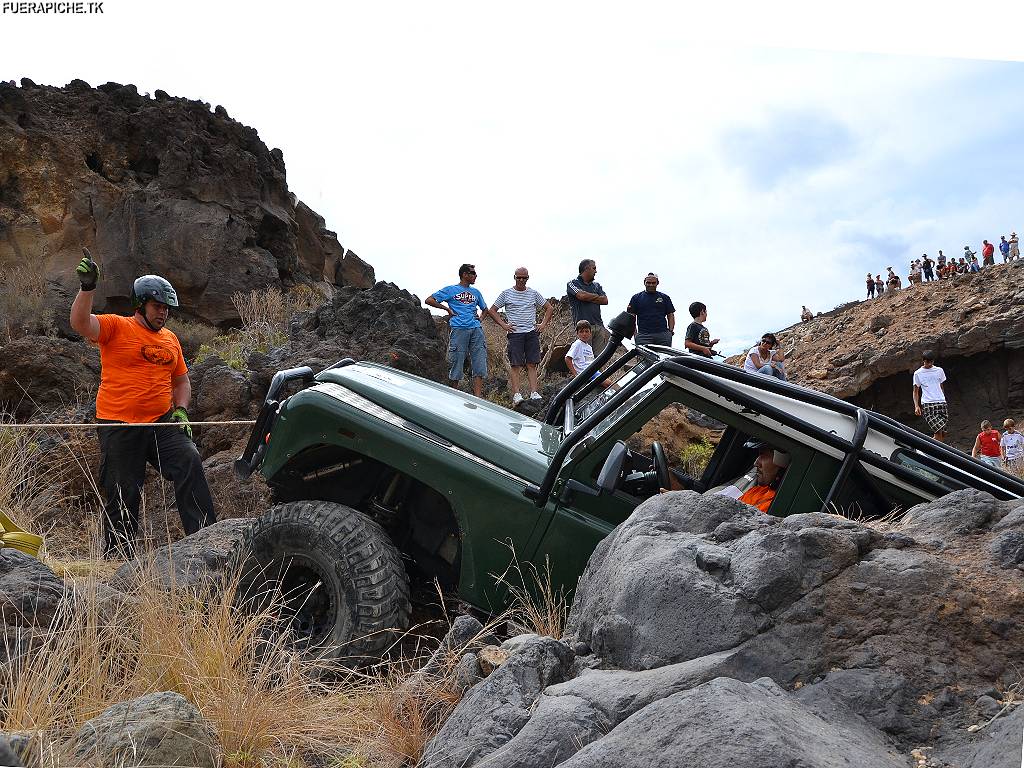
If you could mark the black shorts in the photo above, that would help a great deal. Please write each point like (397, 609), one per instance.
(524, 348)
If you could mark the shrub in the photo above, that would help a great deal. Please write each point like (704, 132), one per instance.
(265, 315)
(696, 455)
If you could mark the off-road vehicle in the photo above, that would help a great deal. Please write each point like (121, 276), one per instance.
(380, 476)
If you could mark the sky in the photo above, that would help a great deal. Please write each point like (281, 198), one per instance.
(757, 156)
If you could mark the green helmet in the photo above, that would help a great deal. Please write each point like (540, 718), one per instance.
(153, 287)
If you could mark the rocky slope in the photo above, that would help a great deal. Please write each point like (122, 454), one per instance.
(160, 184)
(868, 352)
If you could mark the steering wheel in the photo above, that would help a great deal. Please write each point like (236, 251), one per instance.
(661, 471)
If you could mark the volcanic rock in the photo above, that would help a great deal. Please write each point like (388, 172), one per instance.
(160, 185)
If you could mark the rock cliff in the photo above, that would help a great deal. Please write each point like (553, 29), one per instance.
(867, 352)
(160, 184)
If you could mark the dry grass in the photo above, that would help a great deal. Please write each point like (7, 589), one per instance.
(25, 306)
(264, 315)
(537, 605)
(192, 335)
(269, 706)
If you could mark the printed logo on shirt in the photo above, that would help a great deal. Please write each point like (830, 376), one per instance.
(466, 297)
(157, 355)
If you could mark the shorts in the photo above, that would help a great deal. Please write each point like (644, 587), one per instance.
(992, 461)
(524, 348)
(463, 342)
(664, 338)
(937, 416)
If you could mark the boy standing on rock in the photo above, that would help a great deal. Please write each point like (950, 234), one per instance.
(930, 395)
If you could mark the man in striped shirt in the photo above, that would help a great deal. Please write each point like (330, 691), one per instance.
(520, 304)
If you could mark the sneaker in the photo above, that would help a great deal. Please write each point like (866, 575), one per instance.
(517, 398)
(535, 396)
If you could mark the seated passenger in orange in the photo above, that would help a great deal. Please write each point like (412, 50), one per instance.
(769, 469)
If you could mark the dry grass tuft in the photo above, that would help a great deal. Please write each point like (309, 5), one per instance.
(269, 705)
(264, 315)
(25, 306)
(537, 605)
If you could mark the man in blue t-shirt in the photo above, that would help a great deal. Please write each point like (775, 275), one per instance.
(461, 302)
(655, 315)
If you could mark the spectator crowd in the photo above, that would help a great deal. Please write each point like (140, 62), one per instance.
(926, 269)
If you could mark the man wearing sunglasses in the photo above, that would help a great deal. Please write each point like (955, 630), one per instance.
(461, 302)
(521, 304)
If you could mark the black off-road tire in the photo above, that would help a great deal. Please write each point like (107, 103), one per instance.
(362, 603)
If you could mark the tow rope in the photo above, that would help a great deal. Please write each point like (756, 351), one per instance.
(97, 425)
(18, 538)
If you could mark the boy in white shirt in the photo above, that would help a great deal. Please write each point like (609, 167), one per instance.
(930, 395)
(1011, 445)
(580, 354)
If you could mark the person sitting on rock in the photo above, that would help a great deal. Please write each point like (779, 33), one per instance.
(768, 471)
(766, 358)
(806, 314)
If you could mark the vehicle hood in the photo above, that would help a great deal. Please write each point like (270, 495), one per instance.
(515, 442)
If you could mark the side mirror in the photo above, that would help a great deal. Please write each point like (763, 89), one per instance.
(622, 326)
(611, 471)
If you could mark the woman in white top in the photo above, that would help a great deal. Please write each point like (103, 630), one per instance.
(761, 359)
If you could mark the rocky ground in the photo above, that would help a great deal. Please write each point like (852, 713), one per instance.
(702, 633)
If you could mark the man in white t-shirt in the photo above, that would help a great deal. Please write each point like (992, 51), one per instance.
(930, 395)
(520, 304)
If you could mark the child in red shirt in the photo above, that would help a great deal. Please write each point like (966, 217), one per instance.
(987, 444)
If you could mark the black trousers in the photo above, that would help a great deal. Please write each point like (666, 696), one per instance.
(126, 451)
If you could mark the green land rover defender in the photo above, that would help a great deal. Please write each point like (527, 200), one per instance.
(380, 477)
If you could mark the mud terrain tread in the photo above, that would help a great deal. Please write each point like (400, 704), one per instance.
(367, 568)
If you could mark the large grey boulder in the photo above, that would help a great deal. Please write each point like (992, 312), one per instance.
(494, 711)
(30, 593)
(572, 714)
(159, 729)
(730, 724)
(999, 746)
(194, 562)
(688, 575)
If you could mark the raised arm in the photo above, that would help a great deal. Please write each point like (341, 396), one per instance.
(83, 321)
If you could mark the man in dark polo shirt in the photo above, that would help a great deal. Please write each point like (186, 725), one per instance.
(655, 315)
(585, 299)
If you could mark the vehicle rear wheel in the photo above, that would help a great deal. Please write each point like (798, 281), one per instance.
(335, 572)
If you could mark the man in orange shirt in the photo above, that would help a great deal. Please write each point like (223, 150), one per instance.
(143, 379)
(769, 468)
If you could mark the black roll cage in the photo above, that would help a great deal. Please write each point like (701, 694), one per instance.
(709, 373)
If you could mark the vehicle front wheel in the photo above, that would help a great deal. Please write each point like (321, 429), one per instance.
(335, 574)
